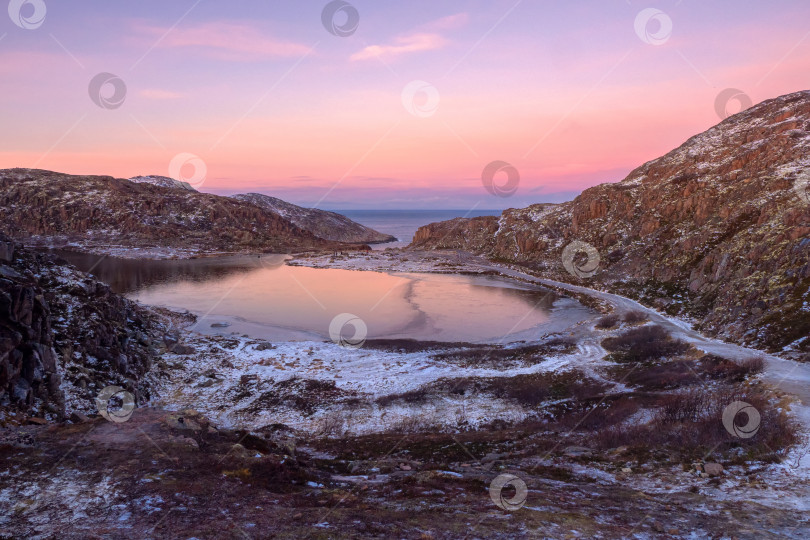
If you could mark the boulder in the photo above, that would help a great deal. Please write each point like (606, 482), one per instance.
(183, 350)
(713, 469)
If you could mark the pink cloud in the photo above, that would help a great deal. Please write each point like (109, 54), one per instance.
(156, 93)
(229, 41)
(450, 22)
(403, 45)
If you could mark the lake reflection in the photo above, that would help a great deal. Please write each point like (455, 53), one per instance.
(262, 298)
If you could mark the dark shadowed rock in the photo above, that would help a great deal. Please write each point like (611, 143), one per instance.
(61, 330)
(179, 348)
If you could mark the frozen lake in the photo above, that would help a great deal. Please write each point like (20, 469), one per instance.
(263, 298)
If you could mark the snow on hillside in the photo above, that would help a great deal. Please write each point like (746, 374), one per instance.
(162, 181)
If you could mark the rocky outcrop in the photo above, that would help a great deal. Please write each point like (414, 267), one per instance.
(717, 230)
(162, 181)
(321, 223)
(64, 336)
(95, 213)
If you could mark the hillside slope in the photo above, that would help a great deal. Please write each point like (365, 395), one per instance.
(717, 230)
(162, 181)
(321, 223)
(101, 213)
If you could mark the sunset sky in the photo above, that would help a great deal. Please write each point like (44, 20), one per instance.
(570, 93)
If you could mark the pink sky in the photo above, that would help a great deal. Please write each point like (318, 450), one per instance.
(568, 93)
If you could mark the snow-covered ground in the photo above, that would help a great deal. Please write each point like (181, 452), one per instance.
(790, 377)
(210, 382)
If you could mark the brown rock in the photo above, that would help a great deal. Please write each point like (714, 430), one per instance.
(713, 469)
(695, 224)
(78, 418)
(181, 349)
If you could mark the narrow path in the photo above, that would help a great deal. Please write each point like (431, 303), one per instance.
(791, 377)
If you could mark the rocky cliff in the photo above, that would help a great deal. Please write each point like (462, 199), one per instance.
(162, 181)
(717, 230)
(95, 213)
(64, 336)
(321, 223)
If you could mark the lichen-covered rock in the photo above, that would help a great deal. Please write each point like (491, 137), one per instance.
(322, 223)
(48, 208)
(64, 336)
(717, 229)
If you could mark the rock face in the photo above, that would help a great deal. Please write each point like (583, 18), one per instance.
(64, 336)
(717, 229)
(97, 212)
(162, 181)
(321, 223)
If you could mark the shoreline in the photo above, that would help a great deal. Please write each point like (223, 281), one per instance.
(426, 425)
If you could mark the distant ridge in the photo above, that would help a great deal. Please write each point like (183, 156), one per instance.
(148, 216)
(321, 223)
(162, 181)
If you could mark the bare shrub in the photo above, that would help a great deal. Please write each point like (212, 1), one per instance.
(664, 376)
(532, 389)
(690, 423)
(409, 424)
(721, 368)
(332, 425)
(608, 321)
(420, 395)
(635, 317)
(644, 343)
(752, 366)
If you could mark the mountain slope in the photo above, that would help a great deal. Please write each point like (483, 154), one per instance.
(321, 223)
(100, 213)
(162, 181)
(717, 229)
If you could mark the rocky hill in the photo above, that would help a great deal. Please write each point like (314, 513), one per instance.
(102, 214)
(321, 223)
(717, 230)
(64, 336)
(162, 181)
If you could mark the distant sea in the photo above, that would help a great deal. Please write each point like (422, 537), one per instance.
(403, 223)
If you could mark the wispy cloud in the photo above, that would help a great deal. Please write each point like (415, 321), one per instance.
(402, 45)
(228, 41)
(450, 22)
(426, 37)
(156, 93)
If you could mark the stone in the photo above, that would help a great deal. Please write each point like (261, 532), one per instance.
(713, 469)
(179, 348)
(247, 379)
(6, 251)
(489, 458)
(240, 451)
(577, 451)
(78, 418)
(8, 272)
(186, 422)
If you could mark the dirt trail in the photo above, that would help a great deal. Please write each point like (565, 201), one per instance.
(791, 377)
